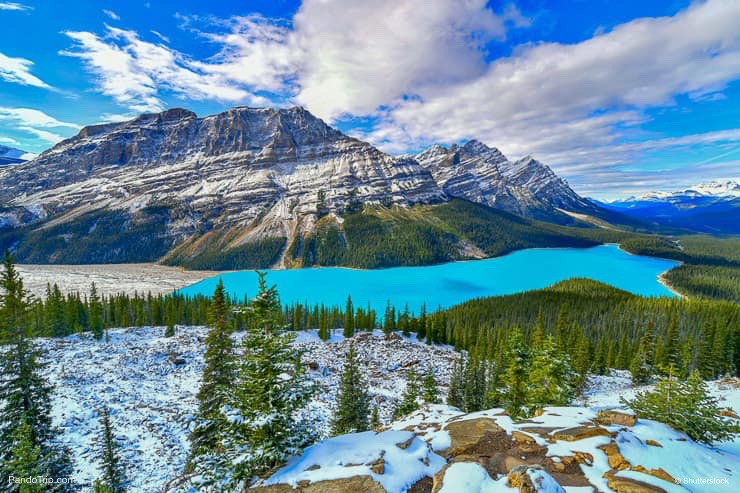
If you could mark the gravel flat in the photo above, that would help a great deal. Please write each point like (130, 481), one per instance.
(109, 278)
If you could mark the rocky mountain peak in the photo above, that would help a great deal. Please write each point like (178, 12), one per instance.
(483, 174)
(251, 173)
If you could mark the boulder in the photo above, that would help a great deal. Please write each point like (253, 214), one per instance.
(579, 433)
(628, 485)
(612, 417)
(615, 458)
(533, 479)
(475, 437)
(355, 484)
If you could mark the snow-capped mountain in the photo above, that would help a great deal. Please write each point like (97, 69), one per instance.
(248, 182)
(9, 155)
(483, 174)
(711, 189)
(712, 207)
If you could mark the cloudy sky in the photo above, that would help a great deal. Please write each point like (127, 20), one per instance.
(618, 96)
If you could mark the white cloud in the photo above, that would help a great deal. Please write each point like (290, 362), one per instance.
(35, 122)
(9, 141)
(18, 71)
(111, 14)
(42, 134)
(358, 55)
(160, 36)
(14, 6)
(33, 117)
(574, 104)
(133, 71)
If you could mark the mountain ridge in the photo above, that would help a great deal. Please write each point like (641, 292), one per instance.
(249, 186)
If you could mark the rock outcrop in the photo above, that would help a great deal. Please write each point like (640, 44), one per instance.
(561, 448)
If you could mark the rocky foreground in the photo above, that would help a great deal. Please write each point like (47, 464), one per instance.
(565, 449)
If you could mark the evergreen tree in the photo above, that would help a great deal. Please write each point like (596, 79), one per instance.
(429, 389)
(705, 358)
(642, 364)
(515, 377)
(95, 324)
(353, 401)
(270, 387)
(410, 396)
(56, 324)
(474, 384)
(324, 333)
(455, 396)
(218, 376)
(685, 406)
(671, 348)
(26, 430)
(389, 319)
(25, 459)
(538, 336)
(349, 319)
(375, 419)
(113, 479)
(551, 379)
(169, 331)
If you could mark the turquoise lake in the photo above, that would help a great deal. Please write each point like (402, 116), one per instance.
(452, 283)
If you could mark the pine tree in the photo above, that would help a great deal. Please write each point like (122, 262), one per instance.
(389, 320)
(538, 336)
(552, 381)
(113, 478)
(408, 402)
(474, 384)
(515, 377)
(218, 376)
(705, 357)
(429, 389)
(455, 396)
(95, 324)
(375, 419)
(324, 333)
(349, 318)
(25, 417)
(642, 364)
(56, 324)
(671, 348)
(270, 387)
(169, 331)
(685, 406)
(25, 459)
(353, 401)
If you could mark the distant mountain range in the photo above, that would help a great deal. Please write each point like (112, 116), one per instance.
(712, 207)
(255, 187)
(9, 155)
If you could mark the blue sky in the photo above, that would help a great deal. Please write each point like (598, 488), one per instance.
(617, 96)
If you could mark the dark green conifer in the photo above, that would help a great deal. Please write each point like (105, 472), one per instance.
(353, 401)
(113, 476)
(429, 394)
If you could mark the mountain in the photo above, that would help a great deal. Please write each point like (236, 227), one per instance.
(9, 155)
(260, 187)
(712, 207)
(484, 175)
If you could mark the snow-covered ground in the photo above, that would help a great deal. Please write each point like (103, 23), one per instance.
(152, 400)
(109, 278)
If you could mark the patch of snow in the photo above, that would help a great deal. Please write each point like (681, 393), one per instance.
(353, 455)
(472, 478)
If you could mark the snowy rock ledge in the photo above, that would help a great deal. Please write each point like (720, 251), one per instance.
(438, 449)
